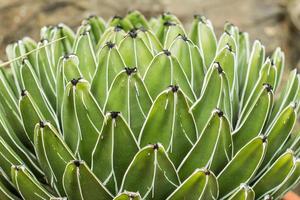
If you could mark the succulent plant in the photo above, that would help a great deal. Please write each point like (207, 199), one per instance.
(137, 109)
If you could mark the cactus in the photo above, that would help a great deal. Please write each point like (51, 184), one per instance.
(137, 109)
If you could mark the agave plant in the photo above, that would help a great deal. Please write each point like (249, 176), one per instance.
(137, 109)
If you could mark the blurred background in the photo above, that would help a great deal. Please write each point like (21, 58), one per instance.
(274, 22)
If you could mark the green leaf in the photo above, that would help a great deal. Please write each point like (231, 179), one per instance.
(235, 171)
(137, 19)
(170, 123)
(97, 27)
(113, 34)
(79, 183)
(7, 189)
(109, 65)
(129, 95)
(13, 51)
(168, 28)
(290, 182)
(128, 196)
(278, 132)
(159, 176)
(244, 192)
(288, 94)
(254, 120)
(67, 70)
(227, 40)
(200, 185)
(166, 64)
(135, 52)
(224, 148)
(9, 138)
(150, 40)
(268, 75)
(117, 141)
(85, 52)
(46, 70)
(53, 154)
(198, 156)
(82, 119)
(209, 99)
(226, 59)
(8, 157)
(57, 48)
(278, 59)
(125, 23)
(274, 175)
(189, 57)
(243, 56)
(28, 187)
(30, 114)
(254, 66)
(202, 34)
(32, 85)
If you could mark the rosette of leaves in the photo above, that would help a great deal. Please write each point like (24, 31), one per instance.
(145, 109)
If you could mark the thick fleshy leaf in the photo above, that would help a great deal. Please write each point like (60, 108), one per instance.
(137, 19)
(86, 55)
(278, 59)
(46, 70)
(10, 140)
(8, 157)
(109, 65)
(170, 123)
(97, 27)
(129, 95)
(189, 57)
(125, 23)
(159, 176)
(245, 192)
(200, 185)
(117, 141)
(150, 40)
(226, 58)
(32, 85)
(275, 175)
(254, 66)
(30, 114)
(255, 118)
(81, 119)
(209, 99)
(268, 75)
(169, 27)
(224, 149)
(288, 94)
(113, 34)
(10, 110)
(67, 70)
(135, 52)
(7, 189)
(202, 34)
(53, 154)
(79, 183)
(128, 196)
(279, 132)
(199, 157)
(235, 171)
(166, 64)
(243, 56)
(291, 181)
(27, 185)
